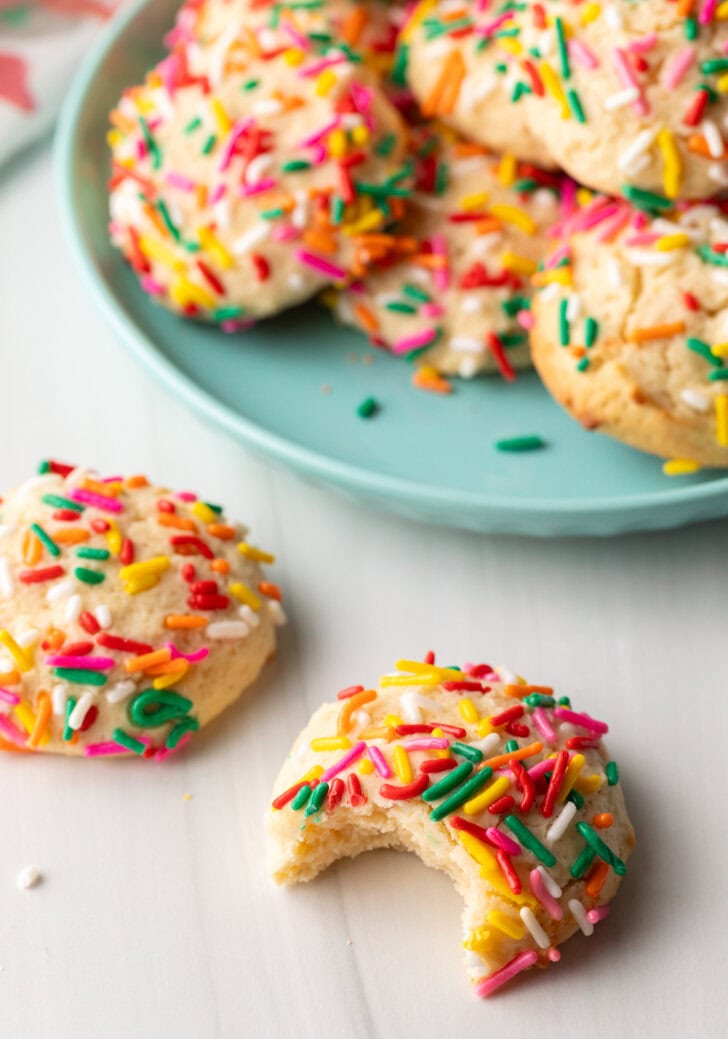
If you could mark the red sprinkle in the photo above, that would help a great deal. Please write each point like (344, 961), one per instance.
(503, 804)
(336, 792)
(690, 301)
(65, 515)
(496, 348)
(99, 526)
(282, 800)
(78, 649)
(582, 743)
(464, 686)
(561, 762)
(525, 785)
(208, 602)
(60, 468)
(189, 545)
(458, 823)
(91, 715)
(165, 505)
(512, 878)
(356, 794)
(123, 645)
(509, 715)
(517, 729)
(429, 657)
(89, 623)
(46, 573)
(351, 690)
(262, 267)
(188, 572)
(402, 793)
(126, 555)
(204, 588)
(437, 765)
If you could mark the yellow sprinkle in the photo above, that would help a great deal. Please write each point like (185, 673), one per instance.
(183, 292)
(477, 850)
(484, 727)
(369, 222)
(510, 45)
(719, 350)
(155, 565)
(392, 720)
(365, 767)
(575, 766)
(484, 942)
(294, 57)
(198, 509)
(474, 201)
(325, 82)
(419, 680)
(468, 710)
(721, 10)
(588, 784)
(507, 170)
(518, 264)
(721, 83)
(402, 765)
(584, 196)
(22, 657)
(141, 584)
(553, 85)
(113, 539)
(680, 467)
(360, 134)
(513, 215)
(668, 242)
(589, 13)
(156, 250)
(495, 789)
(444, 674)
(672, 164)
(561, 275)
(331, 743)
(212, 245)
(25, 716)
(245, 595)
(337, 143)
(418, 16)
(313, 773)
(257, 554)
(222, 119)
(721, 419)
(163, 681)
(507, 924)
(114, 138)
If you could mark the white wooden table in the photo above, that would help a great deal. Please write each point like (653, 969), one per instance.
(156, 918)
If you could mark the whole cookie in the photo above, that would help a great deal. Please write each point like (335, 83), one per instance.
(453, 284)
(130, 616)
(504, 787)
(457, 66)
(243, 176)
(631, 328)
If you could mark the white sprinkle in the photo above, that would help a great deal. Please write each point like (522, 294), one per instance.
(249, 615)
(718, 173)
(58, 699)
(410, 708)
(488, 743)
(6, 578)
(471, 304)
(559, 826)
(27, 638)
(60, 590)
(277, 613)
(223, 213)
(621, 99)
(25, 490)
(720, 277)
(468, 344)
(120, 691)
(506, 675)
(225, 630)
(79, 712)
(549, 883)
(29, 877)
(267, 106)
(218, 53)
(573, 307)
(637, 148)
(645, 258)
(579, 914)
(613, 17)
(252, 237)
(468, 368)
(537, 931)
(73, 608)
(550, 292)
(362, 719)
(711, 133)
(614, 273)
(103, 616)
(258, 167)
(695, 399)
(296, 281)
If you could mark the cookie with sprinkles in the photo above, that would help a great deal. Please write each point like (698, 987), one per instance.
(502, 785)
(243, 184)
(458, 61)
(630, 328)
(452, 287)
(130, 615)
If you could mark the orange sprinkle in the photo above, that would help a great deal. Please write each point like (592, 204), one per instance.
(221, 530)
(171, 519)
(603, 820)
(175, 621)
(220, 566)
(12, 748)
(44, 709)
(32, 548)
(172, 667)
(71, 535)
(684, 7)
(645, 335)
(513, 755)
(350, 705)
(54, 639)
(698, 144)
(271, 590)
(108, 490)
(136, 481)
(9, 678)
(354, 25)
(320, 241)
(430, 380)
(158, 656)
(366, 318)
(441, 99)
(519, 691)
(595, 879)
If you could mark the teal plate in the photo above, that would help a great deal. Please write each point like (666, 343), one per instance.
(289, 388)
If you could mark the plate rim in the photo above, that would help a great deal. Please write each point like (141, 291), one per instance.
(357, 479)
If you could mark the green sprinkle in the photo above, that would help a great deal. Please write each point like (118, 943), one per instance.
(563, 51)
(151, 144)
(469, 789)
(89, 576)
(43, 468)
(317, 799)
(384, 147)
(92, 553)
(519, 90)
(582, 862)
(709, 255)
(398, 75)
(168, 222)
(527, 839)
(510, 339)
(119, 736)
(511, 745)
(452, 779)
(295, 166)
(525, 185)
(272, 214)
(415, 292)
(227, 313)
(368, 408)
(62, 503)
(564, 334)
(67, 730)
(539, 700)
(218, 509)
(575, 105)
(647, 200)
(400, 308)
(591, 331)
(718, 375)
(612, 772)
(183, 726)
(698, 346)
(603, 850)
(525, 443)
(564, 701)
(713, 65)
(576, 798)
(515, 304)
(193, 125)
(46, 539)
(209, 144)
(691, 28)
(301, 798)
(464, 750)
(442, 176)
(583, 364)
(337, 210)
(153, 707)
(80, 676)
(250, 84)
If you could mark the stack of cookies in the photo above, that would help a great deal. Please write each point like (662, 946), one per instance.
(474, 183)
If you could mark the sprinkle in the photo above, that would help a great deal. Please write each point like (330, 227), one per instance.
(494, 981)
(464, 793)
(368, 407)
(46, 539)
(536, 930)
(680, 467)
(29, 877)
(595, 842)
(528, 840)
(82, 573)
(612, 773)
(519, 444)
(579, 914)
(97, 501)
(352, 755)
(23, 660)
(644, 335)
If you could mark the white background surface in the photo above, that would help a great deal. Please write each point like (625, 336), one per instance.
(156, 917)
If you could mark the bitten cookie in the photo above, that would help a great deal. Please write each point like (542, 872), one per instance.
(244, 177)
(453, 283)
(130, 616)
(631, 328)
(457, 66)
(504, 787)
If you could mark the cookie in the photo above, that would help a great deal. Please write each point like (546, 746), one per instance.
(130, 616)
(631, 327)
(456, 64)
(507, 789)
(452, 286)
(243, 179)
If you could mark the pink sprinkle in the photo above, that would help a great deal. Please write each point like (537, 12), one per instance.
(7, 696)
(540, 768)
(597, 913)
(556, 258)
(285, 233)
(550, 904)
(543, 726)
(427, 743)
(676, 68)
(96, 501)
(234, 136)
(351, 755)
(612, 227)
(321, 66)
(301, 41)
(502, 840)
(628, 79)
(318, 263)
(191, 658)
(11, 732)
(648, 238)
(438, 243)
(490, 27)
(96, 750)
(247, 190)
(643, 43)
(216, 194)
(153, 287)
(554, 955)
(309, 142)
(141, 148)
(583, 721)
(86, 663)
(707, 11)
(178, 180)
(525, 319)
(519, 963)
(408, 343)
(165, 752)
(432, 310)
(187, 496)
(583, 55)
(379, 761)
